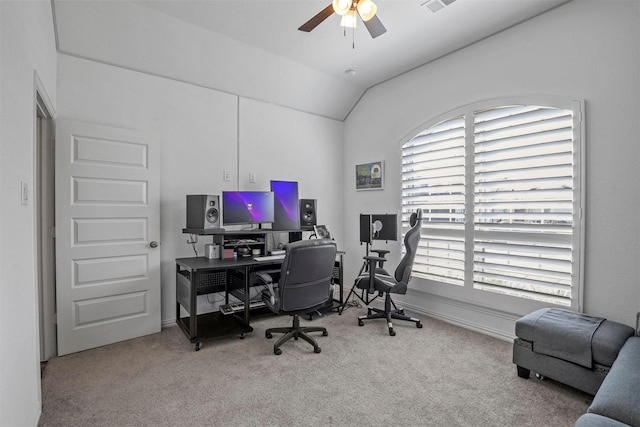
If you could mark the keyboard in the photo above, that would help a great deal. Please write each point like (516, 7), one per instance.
(238, 306)
(269, 258)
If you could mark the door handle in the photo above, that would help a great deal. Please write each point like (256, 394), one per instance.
(153, 244)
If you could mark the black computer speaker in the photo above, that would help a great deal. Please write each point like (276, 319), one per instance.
(203, 211)
(307, 214)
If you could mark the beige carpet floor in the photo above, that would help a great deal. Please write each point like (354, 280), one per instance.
(440, 375)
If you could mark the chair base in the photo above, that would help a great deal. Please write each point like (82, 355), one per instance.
(388, 313)
(295, 331)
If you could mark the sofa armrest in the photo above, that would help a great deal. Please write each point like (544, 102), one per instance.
(619, 394)
(595, 420)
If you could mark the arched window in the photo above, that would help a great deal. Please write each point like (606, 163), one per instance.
(500, 188)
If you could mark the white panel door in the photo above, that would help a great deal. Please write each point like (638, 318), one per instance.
(107, 231)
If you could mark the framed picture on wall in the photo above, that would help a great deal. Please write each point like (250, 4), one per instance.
(370, 176)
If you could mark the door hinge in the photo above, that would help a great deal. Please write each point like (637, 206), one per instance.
(54, 318)
(52, 232)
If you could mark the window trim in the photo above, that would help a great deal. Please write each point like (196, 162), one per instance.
(507, 303)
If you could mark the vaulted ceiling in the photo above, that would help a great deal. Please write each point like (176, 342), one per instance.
(254, 49)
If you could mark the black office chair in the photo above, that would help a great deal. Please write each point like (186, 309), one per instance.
(305, 284)
(379, 280)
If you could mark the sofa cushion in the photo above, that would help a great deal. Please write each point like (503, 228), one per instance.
(595, 420)
(606, 341)
(619, 394)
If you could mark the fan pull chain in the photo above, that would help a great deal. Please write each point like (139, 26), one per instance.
(353, 38)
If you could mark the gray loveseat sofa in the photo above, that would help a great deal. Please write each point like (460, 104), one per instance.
(607, 365)
(582, 364)
(617, 402)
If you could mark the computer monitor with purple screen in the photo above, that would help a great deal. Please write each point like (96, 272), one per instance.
(285, 205)
(247, 207)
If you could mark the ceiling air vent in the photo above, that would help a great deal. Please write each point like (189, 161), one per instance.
(436, 5)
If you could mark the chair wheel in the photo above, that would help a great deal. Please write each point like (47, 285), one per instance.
(392, 332)
(317, 350)
(268, 335)
(360, 322)
(325, 333)
(419, 325)
(277, 351)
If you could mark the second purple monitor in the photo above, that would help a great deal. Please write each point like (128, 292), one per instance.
(286, 210)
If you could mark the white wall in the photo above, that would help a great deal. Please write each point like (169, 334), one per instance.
(153, 42)
(281, 144)
(201, 132)
(26, 45)
(583, 50)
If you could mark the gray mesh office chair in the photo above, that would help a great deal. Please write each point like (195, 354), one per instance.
(305, 284)
(378, 279)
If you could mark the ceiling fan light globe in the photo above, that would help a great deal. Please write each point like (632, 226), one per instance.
(341, 7)
(367, 9)
(349, 20)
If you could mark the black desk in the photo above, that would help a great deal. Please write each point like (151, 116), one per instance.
(200, 276)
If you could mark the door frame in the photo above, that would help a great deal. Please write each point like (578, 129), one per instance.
(44, 216)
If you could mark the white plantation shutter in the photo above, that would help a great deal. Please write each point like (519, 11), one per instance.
(433, 171)
(523, 202)
(512, 193)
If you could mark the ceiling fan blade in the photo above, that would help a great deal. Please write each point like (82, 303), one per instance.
(375, 27)
(316, 20)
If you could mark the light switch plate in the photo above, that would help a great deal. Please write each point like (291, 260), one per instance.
(24, 193)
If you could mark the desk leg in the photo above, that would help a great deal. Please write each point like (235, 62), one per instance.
(341, 284)
(247, 299)
(177, 299)
(193, 312)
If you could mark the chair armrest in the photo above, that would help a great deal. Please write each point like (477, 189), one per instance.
(265, 276)
(268, 280)
(371, 260)
(380, 252)
(372, 270)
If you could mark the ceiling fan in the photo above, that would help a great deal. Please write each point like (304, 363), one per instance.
(349, 10)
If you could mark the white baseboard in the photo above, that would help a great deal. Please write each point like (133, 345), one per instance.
(167, 323)
(476, 318)
(460, 313)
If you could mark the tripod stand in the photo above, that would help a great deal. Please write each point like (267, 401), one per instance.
(372, 227)
(367, 265)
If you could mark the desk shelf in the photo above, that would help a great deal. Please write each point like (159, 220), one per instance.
(213, 326)
(200, 276)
